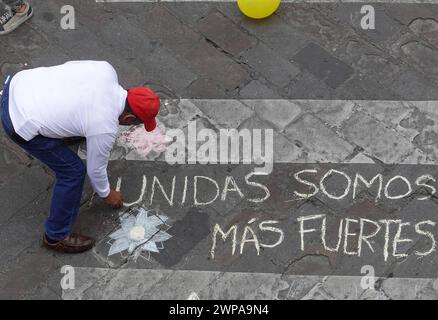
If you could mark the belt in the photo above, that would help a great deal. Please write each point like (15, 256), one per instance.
(15, 136)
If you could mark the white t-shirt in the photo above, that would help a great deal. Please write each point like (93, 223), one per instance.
(76, 99)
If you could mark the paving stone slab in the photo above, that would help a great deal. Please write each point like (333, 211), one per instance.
(316, 137)
(274, 68)
(224, 33)
(279, 112)
(386, 144)
(323, 65)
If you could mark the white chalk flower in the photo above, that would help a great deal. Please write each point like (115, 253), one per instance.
(140, 233)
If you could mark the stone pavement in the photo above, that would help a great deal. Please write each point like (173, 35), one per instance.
(336, 97)
(98, 283)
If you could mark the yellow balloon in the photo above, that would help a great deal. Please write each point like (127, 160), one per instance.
(258, 9)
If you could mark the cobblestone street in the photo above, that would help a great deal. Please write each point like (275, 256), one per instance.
(345, 105)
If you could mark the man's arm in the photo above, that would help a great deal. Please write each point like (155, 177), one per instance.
(98, 152)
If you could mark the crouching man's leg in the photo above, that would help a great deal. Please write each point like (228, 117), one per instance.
(70, 176)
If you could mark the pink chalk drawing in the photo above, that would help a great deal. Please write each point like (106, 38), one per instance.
(145, 144)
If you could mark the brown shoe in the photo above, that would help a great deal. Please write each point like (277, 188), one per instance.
(73, 243)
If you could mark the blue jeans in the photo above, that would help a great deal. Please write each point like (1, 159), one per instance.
(69, 169)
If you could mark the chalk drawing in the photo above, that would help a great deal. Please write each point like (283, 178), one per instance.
(421, 181)
(142, 191)
(351, 186)
(355, 240)
(427, 234)
(140, 234)
(145, 144)
(175, 189)
(249, 236)
(352, 236)
(193, 296)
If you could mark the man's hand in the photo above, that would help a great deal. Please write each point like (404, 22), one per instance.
(114, 199)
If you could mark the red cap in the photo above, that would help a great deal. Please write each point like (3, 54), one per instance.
(145, 104)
